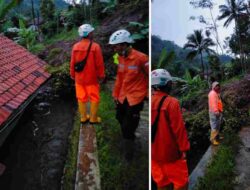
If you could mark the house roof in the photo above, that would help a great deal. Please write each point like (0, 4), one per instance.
(21, 74)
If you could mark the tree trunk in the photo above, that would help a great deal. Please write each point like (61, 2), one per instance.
(33, 12)
(202, 65)
(216, 31)
(239, 42)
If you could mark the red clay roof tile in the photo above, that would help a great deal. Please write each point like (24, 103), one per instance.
(21, 74)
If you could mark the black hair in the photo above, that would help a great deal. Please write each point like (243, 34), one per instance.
(166, 88)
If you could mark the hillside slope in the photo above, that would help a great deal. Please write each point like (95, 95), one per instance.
(120, 18)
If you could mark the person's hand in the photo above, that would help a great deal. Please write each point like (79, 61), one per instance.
(184, 155)
(217, 113)
(116, 101)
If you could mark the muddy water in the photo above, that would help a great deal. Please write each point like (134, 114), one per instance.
(35, 152)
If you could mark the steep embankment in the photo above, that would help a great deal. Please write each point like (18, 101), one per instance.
(236, 99)
(59, 52)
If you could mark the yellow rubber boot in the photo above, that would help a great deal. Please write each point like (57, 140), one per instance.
(83, 112)
(94, 119)
(213, 136)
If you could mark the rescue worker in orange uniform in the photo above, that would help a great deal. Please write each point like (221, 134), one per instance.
(215, 112)
(87, 81)
(131, 85)
(170, 142)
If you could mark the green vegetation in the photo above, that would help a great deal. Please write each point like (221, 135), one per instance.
(139, 31)
(62, 82)
(26, 36)
(220, 172)
(71, 161)
(199, 44)
(116, 173)
(62, 36)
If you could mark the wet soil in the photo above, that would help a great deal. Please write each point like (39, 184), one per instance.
(35, 151)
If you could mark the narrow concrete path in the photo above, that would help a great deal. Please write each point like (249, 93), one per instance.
(88, 174)
(200, 169)
(243, 161)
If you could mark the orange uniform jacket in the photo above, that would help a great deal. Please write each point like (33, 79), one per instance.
(214, 102)
(94, 67)
(132, 78)
(168, 142)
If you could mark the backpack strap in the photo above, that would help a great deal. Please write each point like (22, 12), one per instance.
(155, 124)
(89, 49)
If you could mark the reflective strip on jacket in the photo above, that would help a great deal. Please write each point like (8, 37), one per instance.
(214, 102)
(132, 78)
(94, 67)
(169, 140)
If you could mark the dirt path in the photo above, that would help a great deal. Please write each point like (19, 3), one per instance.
(243, 161)
(36, 150)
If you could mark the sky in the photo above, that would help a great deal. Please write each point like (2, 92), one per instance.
(171, 20)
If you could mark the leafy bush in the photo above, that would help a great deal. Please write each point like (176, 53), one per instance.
(27, 37)
(198, 126)
(233, 119)
(49, 28)
(231, 69)
(37, 48)
(192, 83)
(62, 83)
(140, 31)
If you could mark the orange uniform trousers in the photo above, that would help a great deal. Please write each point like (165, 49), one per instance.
(85, 93)
(175, 173)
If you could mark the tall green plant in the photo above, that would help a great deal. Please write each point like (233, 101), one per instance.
(198, 45)
(231, 11)
(192, 83)
(27, 37)
(5, 7)
(165, 58)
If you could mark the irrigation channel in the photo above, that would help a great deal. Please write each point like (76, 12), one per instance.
(35, 151)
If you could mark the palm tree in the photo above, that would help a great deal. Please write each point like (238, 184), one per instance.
(231, 11)
(199, 44)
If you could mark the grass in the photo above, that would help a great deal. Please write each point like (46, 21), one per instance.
(37, 48)
(115, 172)
(62, 36)
(220, 173)
(71, 161)
(232, 79)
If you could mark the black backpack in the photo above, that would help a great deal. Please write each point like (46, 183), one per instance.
(79, 66)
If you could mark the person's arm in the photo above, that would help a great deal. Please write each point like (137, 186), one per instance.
(99, 62)
(72, 63)
(118, 85)
(145, 64)
(177, 126)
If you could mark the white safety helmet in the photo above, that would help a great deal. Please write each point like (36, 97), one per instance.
(160, 77)
(85, 29)
(120, 36)
(215, 84)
